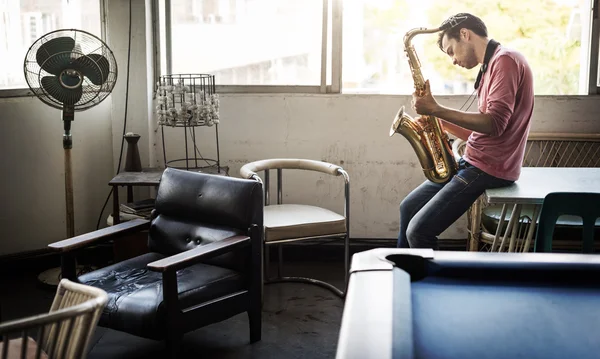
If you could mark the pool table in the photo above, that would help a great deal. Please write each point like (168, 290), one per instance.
(416, 303)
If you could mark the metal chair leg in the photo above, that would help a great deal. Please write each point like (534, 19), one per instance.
(280, 260)
(330, 287)
(346, 260)
(267, 260)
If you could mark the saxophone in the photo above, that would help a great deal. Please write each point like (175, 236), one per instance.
(430, 143)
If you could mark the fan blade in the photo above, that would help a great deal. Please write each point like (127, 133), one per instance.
(93, 66)
(104, 67)
(66, 96)
(54, 54)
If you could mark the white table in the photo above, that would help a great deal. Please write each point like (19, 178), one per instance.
(531, 189)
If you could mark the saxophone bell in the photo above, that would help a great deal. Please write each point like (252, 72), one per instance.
(400, 116)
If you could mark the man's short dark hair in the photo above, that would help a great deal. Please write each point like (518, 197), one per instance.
(471, 22)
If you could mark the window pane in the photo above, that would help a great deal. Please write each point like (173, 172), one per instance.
(24, 21)
(549, 33)
(248, 42)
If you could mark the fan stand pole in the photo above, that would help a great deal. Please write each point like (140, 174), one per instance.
(51, 277)
(69, 194)
(67, 145)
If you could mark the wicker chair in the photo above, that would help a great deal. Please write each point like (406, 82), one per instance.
(63, 332)
(543, 150)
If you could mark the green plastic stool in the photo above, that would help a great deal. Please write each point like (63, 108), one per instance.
(584, 205)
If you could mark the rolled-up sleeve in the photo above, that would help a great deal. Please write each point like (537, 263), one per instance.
(504, 81)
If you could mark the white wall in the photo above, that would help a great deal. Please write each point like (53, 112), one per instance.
(352, 131)
(137, 94)
(336, 128)
(32, 182)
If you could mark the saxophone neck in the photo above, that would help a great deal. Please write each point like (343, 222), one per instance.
(417, 31)
(413, 59)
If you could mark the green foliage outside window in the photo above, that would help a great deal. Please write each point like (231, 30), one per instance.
(537, 29)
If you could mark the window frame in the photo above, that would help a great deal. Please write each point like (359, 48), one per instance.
(336, 56)
(26, 91)
(335, 7)
(329, 6)
(594, 64)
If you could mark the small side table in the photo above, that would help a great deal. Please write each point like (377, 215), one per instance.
(148, 177)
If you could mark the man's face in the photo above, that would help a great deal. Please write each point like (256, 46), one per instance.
(461, 51)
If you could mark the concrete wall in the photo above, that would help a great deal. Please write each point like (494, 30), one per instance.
(351, 130)
(32, 181)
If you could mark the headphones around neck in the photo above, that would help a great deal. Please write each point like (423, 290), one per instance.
(489, 51)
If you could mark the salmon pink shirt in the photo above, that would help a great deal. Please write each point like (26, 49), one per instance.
(505, 93)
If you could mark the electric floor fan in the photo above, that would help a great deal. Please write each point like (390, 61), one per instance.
(71, 70)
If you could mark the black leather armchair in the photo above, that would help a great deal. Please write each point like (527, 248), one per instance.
(203, 265)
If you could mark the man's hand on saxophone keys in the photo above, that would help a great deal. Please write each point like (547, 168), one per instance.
(422, 121)
(424, 103)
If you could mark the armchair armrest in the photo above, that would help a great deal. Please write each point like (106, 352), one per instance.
(100, 235)
(193, 256)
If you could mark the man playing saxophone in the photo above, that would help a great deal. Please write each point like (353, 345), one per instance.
(495, 135)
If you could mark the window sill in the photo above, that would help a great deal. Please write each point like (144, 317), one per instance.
(16, 92)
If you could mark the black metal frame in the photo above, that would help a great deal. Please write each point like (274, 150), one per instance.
(204, 83)
(210, 162)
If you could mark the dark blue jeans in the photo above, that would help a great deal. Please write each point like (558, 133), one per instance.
(431, 208)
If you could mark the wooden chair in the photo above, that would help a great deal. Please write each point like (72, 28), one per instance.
(584, 205)
(293, 222)
(63, 332)
(203, 266)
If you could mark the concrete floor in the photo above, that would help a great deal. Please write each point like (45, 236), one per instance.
(299, 320)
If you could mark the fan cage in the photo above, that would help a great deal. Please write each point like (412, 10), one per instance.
(85, 45)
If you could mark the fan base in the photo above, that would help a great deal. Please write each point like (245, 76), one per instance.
(51, 277)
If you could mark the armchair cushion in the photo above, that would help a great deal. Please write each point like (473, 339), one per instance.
(135, 298)
(286, 221)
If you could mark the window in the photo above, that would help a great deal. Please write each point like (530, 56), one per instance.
(23, 22)
(280, 42)
(553, 35)
(245, 42)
